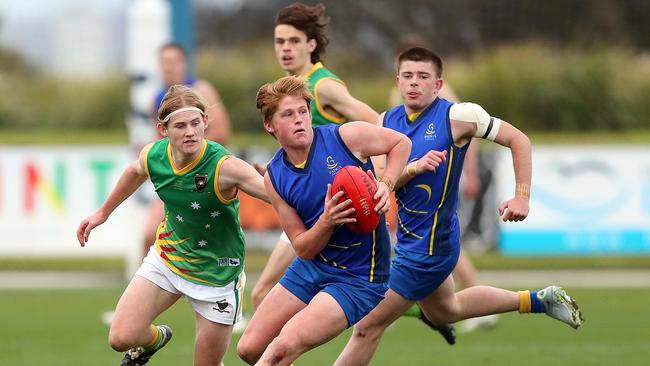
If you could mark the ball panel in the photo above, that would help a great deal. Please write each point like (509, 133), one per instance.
(359, 188)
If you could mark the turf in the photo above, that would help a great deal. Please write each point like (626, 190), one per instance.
(256, 259)
(63, 328)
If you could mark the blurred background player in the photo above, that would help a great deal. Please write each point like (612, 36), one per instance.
(199, 249)
(465, 272)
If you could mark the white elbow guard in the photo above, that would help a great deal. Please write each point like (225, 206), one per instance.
(487, 127)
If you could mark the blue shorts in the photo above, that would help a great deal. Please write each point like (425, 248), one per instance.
(356, 296)
(416, 275)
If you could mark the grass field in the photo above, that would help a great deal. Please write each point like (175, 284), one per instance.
(62, 327)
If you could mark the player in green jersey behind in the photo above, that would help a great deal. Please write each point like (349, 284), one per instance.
(199, 248)
(300, 41)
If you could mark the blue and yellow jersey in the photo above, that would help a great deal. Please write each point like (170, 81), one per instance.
(427, 221)
(319, 116)
(366, 256)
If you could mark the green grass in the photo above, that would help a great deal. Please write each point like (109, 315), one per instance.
(63, 328)
(255, 261)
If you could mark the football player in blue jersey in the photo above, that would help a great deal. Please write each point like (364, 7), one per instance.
(428, 237)
(339, 275)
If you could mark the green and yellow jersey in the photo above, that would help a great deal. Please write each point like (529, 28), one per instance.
(200, 238)
(319, 116)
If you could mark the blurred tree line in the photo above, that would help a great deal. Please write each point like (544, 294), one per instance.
(555, 65)
(452, 28)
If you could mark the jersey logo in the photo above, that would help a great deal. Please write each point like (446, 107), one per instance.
(331, 164)
(430, 133)
(222, 306)
(228, 262)
(200, 182)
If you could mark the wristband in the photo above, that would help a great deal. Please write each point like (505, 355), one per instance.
(522, 190)
(387, 182)
(412, 168)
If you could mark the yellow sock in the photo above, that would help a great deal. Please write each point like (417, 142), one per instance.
(524, 301)
(156, 340)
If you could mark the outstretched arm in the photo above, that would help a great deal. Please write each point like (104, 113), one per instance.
(238, 174)
(307, 243)
(132, 178)
(471, 120)
(516, 208)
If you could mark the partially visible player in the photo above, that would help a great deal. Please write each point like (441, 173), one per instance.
(428, 238)
(339, 275)
(199, 248)
(173, 65)
(465, 273)
(300, 42)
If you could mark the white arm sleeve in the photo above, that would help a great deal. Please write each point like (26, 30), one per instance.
(487, 127)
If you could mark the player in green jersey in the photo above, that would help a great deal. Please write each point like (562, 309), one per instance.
(199, 247)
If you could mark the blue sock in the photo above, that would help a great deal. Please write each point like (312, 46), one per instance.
(536, 305)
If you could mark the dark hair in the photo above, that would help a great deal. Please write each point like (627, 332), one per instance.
(308, 19)
(173, 46)
(420, 54)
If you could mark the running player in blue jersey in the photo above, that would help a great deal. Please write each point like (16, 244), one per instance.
(300, 40)
(339, 275)
(428, 238)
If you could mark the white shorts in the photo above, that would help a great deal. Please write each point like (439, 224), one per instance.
(222, 304)
(285, 238)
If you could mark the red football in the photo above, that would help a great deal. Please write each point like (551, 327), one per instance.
(361, 189)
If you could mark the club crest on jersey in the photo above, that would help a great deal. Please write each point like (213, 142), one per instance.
(430, 133)
(200, 182)
(332, 165)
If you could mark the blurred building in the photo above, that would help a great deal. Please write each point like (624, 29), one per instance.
(86, 41)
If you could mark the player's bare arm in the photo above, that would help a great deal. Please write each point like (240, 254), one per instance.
(132, 178)
(368, 140)
(218, 120)
(471, 120)
(237, 174)
(334, 96)
(427, 163)
(307, 243)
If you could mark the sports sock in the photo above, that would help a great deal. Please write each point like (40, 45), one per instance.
(157, 340)
(414, 311)
(530, 303)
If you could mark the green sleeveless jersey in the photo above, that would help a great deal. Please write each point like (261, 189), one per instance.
(319, 116)
(200, 238)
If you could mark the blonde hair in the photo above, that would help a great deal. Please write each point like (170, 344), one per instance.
(269, 95)
(177, 97)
